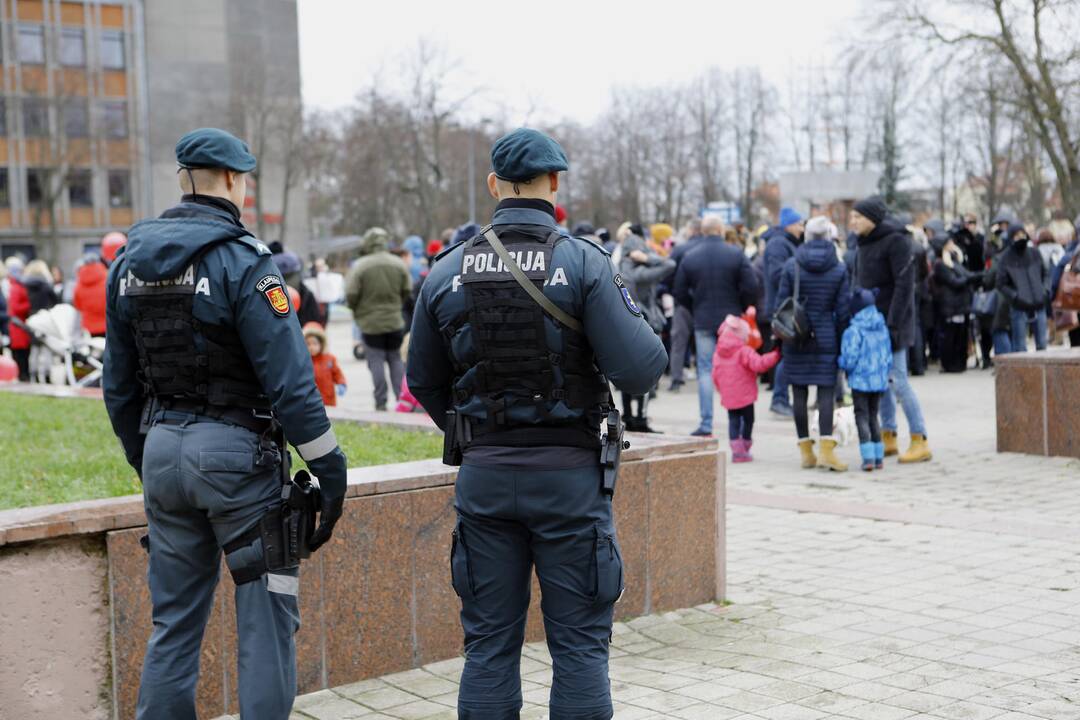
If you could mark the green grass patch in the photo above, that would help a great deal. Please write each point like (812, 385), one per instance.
(55, 450)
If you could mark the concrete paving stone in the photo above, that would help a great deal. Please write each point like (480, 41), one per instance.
(966, 710)
(383, 698)
(872, 691)
(919, 701)
(422, 710)
(703, 711)
(832, 703)
(626, 712)
(421, 683)
(448, 668)
(746, 701)
(877, 711)
(335, 708)
(353, 689)
(450, 699)
(786, 691)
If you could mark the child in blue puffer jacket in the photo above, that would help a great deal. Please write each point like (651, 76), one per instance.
(866, 355)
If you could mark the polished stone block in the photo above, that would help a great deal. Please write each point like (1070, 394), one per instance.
(437, 629)
(682, 531)
(1020, 410)
(1063, 410)
(631, 526)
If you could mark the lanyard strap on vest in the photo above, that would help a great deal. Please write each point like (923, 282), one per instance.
(534, 292)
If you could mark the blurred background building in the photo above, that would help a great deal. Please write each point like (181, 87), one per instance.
(95, 95)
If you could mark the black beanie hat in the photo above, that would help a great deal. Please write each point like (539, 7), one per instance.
(872, 208)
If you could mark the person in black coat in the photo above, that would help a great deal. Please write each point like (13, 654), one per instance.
(824, 293)
(886, 262)
(954, 284)
(1024, 279)
(781, 242)
(714, 280)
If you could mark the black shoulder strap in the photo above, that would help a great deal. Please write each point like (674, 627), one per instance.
(534, 292)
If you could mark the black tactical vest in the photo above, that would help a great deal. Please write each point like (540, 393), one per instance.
(503, 358)
(183, 359)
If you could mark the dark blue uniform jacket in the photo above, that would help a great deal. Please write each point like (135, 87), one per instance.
(226, 294)
(580, 280)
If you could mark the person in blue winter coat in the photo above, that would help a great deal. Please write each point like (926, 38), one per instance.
(824, 294)
(417, 261)
(866, 355)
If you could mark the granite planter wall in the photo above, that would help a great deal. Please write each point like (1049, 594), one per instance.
(1037, 408)
(377, 599)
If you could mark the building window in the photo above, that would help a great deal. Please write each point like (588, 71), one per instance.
(35, 117)
(76, 118)
(80, 188)
(35, 185)
(72, 47)
(112, 50)
(5, 197)
(116, 125)
(119, 189)
(31, 44)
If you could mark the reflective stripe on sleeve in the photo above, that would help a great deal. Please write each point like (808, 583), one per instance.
(283, 584)
(315, 449)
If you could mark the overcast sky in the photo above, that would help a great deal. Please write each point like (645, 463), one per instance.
(559, 59)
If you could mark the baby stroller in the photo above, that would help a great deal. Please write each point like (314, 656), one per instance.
(61, 352)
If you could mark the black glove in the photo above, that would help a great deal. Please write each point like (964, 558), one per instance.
(329, 513)
(331, 471)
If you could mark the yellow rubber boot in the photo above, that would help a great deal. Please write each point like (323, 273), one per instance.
(806, 449)
(918, 452)
(827, 458)
(888, 437)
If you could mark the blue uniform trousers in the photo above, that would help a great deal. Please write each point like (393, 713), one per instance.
(203, 488)
(559, 521)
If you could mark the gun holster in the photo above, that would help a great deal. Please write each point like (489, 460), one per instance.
(452, 438)
(611, 446)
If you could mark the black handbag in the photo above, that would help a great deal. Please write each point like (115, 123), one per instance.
(985, 302)
(790, 322)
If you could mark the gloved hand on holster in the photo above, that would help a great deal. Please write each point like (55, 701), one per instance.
(331, 471)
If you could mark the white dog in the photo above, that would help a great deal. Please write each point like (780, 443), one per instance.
(844, 428)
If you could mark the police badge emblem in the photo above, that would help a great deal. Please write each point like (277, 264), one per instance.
(627, 300)
(271, 288)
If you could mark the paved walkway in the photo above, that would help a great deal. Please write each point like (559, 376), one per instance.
(945, 590)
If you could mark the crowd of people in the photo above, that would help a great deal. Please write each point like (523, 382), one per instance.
(881, 303)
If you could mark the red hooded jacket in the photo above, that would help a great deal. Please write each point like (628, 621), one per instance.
(89, 297)
(18, 307)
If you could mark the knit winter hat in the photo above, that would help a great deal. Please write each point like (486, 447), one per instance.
(872, 208)
(862, 298)
(737, 326)
(315, 330)
(817, 227)
(788, 216)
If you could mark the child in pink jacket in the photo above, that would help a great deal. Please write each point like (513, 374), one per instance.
(735, 368)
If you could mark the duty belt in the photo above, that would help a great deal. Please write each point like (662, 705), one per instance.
(257, 421)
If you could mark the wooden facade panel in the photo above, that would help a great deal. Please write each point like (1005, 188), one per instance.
(115, 83)
(34, 80)
(71, 13)
(121, 217)
(112, 16)
(117, 152)
(72, 81)
(29, 10)
(4, 152)
(82, 217)
(5, 217)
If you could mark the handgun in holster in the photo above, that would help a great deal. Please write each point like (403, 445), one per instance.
(457, 434)
(287, 527)
(611, 446)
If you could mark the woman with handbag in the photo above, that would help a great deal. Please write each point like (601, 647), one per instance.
(814, 283)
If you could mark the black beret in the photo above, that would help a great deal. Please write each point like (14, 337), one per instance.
(525, 153)
(213, 148)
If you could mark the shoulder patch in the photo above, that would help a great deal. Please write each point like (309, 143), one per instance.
(273, 290)
(627, 300)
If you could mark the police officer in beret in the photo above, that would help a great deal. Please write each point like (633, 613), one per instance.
(205, 363)
(519, 385)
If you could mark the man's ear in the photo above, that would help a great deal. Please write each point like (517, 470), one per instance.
(493, 187)
(230, 179)
(554, 178)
